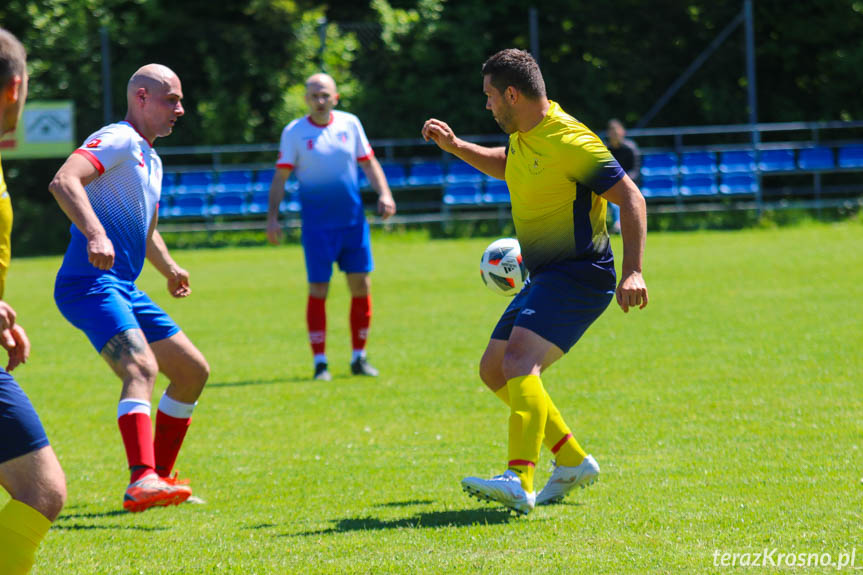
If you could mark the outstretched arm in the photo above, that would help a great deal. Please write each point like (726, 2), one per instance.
(378, 181)
(631, 291)
(68, 189)
(491, 161)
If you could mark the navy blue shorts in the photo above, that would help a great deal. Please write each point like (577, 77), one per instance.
(21, 432)
(103, 306)
(560, 302)
(350, 247)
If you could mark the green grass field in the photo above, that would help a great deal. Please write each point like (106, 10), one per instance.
(727, 416)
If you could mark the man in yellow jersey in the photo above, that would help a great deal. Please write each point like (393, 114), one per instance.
(29, 470)
(560, 177)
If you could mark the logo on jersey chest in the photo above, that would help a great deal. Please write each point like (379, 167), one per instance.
(535, 166)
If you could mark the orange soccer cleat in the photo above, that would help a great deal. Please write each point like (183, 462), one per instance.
(155, 491)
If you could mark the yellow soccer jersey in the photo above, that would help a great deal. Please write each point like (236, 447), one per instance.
(5, 231)
(555, 173)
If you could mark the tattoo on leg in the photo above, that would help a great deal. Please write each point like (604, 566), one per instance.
(129, 342)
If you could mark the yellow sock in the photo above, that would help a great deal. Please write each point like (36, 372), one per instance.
(528, 412)
(557, 437)
(22, 528)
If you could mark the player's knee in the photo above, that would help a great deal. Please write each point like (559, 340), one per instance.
(54, 496)
(202, 372)
(517, 363)
(489, 369)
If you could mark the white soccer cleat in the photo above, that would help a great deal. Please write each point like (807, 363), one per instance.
(504, 489)
(564, 479)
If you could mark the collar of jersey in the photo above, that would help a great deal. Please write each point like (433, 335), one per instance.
(137, 131)
(313, 123)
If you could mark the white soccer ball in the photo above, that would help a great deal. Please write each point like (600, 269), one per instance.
(502, 268)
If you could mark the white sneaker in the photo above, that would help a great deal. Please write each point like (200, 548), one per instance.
(564, 479)
(504, 489)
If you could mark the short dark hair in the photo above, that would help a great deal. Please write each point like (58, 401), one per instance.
(516, 68)
(13, 57)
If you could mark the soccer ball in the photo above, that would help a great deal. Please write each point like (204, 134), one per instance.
(502, 268)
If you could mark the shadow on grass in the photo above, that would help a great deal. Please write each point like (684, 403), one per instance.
(114, 513)
(406, 503)
(258, 382)
(461, 518)
(79, 527)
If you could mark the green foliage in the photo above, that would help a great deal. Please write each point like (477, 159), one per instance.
(704, 411)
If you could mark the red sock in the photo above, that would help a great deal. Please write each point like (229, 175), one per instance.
(316, 318)
(170, 432)
(138, 438)
(361, 318)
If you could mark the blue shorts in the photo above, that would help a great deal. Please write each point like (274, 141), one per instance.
(350, 247)
(103, 306)
(559, 303)
(21, 432)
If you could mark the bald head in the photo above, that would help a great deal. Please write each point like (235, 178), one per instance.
(321, 80)
(150, 77)
(154, 94)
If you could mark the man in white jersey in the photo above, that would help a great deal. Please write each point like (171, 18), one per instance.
(323, 150)
(110, 188)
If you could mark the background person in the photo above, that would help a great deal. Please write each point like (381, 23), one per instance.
(323, 150)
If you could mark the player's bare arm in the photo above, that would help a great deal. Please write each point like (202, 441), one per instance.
(277, 194)
(68, 189)
(378, 181)
(631, 291)
(158, 255)
(491, 161)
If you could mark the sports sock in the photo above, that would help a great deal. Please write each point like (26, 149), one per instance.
(172, 422)
(528, 413)
(361, 318)
(316, 319)
(557, 437)
(133, 417)
(22, 528)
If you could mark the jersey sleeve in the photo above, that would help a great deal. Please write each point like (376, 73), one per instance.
(591, 163)
(287, 150)
(107, 148)
(364, 150)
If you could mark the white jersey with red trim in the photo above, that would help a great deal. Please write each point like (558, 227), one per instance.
(124, 197)
(324, 159)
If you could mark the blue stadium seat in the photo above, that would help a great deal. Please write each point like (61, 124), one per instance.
(459, 172)
(194, 182)
(698, 163)
(737, 162)
(262, 180)
(395, 174)
(659, 164)
(259, 202)
(168, 182)
(165, 203)
(189, 204)
(291, 203)
(738, 184)
(818, 158)
(694, 185)
(777, 161)
(228, 204)
(467, 194)
(237, 181)
(426, 174)
(659, 187)
(851, 157)
(496, 192)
